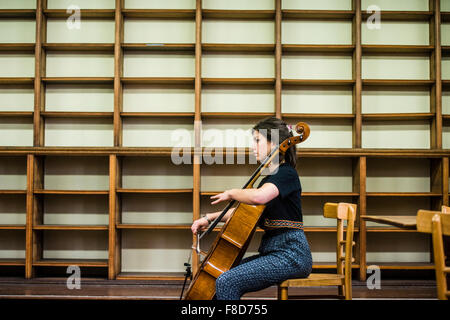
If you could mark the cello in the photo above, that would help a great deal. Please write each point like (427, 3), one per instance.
(235, 235)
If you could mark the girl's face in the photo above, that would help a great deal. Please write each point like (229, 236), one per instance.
(261, 147)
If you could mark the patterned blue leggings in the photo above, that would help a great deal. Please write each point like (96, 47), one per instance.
(281, 256)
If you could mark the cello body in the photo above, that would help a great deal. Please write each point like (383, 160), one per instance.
(233, 239)
(226, 252)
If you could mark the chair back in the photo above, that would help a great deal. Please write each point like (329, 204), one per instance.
(343, 212)
(424, 218)
(438, 224)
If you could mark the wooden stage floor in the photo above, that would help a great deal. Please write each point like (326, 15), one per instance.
(101, 289)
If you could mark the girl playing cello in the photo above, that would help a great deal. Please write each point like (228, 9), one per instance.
(284, 250)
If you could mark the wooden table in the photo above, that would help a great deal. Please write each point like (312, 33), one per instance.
(404, 222)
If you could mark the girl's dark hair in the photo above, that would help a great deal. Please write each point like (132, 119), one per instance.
(266, 125)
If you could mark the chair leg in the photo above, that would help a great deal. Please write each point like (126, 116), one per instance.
(282, 293)
(348, 292)
(341, 291)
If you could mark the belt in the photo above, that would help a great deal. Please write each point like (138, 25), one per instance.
(274, 224)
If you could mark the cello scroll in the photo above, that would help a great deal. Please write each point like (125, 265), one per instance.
(303, 130)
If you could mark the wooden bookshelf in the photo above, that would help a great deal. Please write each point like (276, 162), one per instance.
(127, 111)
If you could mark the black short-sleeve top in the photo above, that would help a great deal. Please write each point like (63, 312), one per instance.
(284, 211)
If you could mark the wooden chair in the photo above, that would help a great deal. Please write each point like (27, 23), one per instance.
(445, 209)
(437, 224)
(343, 277)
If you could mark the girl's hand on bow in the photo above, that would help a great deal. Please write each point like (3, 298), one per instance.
(199, 225)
